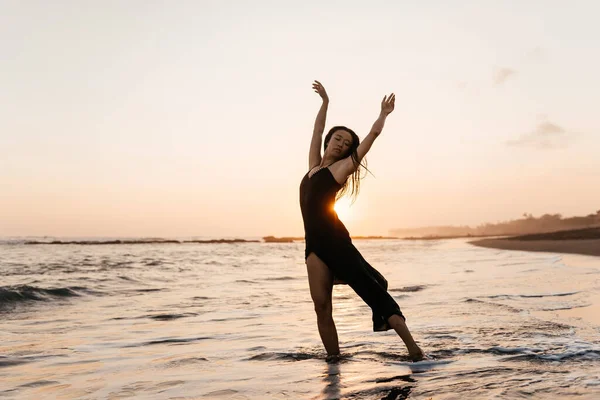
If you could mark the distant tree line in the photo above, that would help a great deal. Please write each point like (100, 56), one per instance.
(525, 225)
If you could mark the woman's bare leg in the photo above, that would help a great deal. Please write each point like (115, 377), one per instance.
(320, 281)
(414, 351)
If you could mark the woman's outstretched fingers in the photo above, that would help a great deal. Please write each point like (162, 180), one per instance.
(387, 104)
(318, 87)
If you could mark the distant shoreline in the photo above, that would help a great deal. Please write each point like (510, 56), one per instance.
(578, 241)
(291, 239)
(266, 239)
(442, 237)
(141, 241)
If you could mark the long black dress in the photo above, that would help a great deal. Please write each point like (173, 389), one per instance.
(328, 238)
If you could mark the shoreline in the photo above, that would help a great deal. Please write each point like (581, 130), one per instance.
(586, 247)
(265, 239)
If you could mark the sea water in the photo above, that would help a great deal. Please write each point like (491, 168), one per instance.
(236, 321)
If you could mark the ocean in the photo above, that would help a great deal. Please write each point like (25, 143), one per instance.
(236, 321)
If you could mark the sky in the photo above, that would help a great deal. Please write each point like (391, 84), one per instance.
(194, 118)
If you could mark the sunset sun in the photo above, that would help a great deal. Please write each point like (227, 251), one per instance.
(343, 208)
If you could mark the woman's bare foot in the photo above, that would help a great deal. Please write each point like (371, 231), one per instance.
(332, 358)
(416, 354)
(414, 351)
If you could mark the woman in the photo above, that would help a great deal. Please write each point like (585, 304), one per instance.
(330, 255)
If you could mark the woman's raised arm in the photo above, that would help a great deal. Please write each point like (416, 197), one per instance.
(387, 106)
(314, 155)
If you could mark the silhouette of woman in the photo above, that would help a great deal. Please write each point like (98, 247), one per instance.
(330, 255)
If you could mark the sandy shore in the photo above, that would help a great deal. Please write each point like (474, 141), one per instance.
(590, 313)
(588, 247)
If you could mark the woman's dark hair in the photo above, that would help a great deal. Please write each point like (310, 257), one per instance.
(352, 184)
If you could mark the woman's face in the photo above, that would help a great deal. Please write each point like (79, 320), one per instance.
(339, 144)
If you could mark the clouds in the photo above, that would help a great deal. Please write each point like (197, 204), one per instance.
(545, 136)
(502, 74)
(533, 56)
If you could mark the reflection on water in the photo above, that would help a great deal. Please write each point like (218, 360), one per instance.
(332, 379)
(236, 321)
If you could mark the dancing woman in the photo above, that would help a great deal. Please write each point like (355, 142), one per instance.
(330, 255)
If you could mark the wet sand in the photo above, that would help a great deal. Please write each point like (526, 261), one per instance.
(590, 313)
(588, 247)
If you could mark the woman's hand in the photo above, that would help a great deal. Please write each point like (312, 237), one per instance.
(387, 104)
(321, 90)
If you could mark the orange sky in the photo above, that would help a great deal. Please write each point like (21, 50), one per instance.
(140, 119)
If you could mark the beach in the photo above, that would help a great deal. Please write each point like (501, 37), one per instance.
(590, 247)
(236, 321)
(555, 243)
(584, 241)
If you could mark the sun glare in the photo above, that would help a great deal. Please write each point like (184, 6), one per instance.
(343, 208)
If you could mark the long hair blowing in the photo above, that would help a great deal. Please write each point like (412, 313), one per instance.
(352, 184)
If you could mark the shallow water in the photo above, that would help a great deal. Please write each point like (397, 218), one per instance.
(235, 321)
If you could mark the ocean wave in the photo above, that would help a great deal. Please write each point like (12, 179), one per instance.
(407, 289)
(283, 278)
(158, 317)
(6, 361)
(22, 293)
(169, 341)
(270, 356)
(489, 303)
(533, 354)
(583, 355)
(397, 393)
(184, 362)
(565, 307)
(530, 296)
(169, 317)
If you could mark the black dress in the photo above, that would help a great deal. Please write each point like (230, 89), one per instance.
(328, 238)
